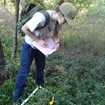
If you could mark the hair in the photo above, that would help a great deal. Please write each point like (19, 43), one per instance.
(57, 9)
(58, 4)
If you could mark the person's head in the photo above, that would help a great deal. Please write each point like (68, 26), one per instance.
(66, 13)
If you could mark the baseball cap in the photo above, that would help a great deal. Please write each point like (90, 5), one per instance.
(69, 11)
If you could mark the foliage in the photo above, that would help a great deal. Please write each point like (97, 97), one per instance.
(75, 74)
(81, 3)
(5, 92)
(82, 82)
(30, 1)
(97, 8)
(7, 45)
(51, 3)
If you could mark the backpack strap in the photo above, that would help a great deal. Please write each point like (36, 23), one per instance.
(41, 10)
(26, 10)
(47, 16)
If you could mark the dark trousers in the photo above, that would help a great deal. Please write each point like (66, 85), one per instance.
(27, 56)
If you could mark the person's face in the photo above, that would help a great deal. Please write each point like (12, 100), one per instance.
(61, 19)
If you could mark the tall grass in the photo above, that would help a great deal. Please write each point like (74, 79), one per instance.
(75, 74)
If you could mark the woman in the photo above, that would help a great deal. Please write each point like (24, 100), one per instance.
(65, 14)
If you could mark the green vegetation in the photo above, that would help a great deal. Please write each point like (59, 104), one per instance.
(75, 75)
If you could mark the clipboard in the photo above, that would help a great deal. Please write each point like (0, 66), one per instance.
(46, 50)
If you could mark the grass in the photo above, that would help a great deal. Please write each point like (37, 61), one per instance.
(74, 75)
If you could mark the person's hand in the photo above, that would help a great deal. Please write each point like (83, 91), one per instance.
(57, 46)
(42, 42)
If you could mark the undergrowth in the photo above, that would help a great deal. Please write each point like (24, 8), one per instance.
(74, 75)
(81, 82)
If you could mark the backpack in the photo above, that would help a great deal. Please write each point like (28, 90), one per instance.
(27, 13)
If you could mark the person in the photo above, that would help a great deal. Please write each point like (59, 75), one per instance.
(60, 2)
(65, 14)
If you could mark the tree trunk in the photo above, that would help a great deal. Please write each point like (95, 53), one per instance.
(2, 61)
(15, 41)
(4, 2)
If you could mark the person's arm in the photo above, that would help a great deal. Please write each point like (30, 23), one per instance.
(56, 38)
(27, 31)
(31, 25)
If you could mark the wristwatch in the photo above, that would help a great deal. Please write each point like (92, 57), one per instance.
(58, 43)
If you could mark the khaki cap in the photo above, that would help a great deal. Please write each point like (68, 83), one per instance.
(69, 11)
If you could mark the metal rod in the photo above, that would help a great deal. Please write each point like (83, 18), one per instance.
(26, 100)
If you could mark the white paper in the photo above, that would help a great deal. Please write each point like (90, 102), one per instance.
(46, 50)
